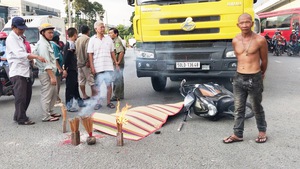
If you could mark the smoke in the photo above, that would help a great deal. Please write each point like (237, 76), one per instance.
(101, 96)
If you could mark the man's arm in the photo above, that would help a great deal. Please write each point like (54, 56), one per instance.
(121, 55)
(263, 51)
(91, 59)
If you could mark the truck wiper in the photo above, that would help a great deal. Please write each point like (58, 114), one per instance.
(197, 1)
(159, 1)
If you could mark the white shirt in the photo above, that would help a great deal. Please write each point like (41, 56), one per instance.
(101, 48)
(16, 55)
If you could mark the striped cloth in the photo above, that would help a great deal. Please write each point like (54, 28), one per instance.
(142, 120)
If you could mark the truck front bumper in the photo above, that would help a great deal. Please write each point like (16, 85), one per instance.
(224, 68)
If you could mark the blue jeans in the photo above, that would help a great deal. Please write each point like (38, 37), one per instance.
(245, 85)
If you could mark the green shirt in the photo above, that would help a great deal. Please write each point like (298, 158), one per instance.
(119, 48)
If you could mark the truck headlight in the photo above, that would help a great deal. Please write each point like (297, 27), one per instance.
(145, 55)
(230, 54)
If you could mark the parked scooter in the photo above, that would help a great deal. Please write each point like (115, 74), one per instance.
(209, 100)
(6, 87)
(293, 49)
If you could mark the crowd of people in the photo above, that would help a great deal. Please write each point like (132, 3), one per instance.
(280, 42)
(82, 60)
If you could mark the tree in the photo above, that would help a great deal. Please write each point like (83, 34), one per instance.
(123, 31)
(131, 20)
(91, 12)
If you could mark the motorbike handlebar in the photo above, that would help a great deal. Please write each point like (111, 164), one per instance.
(184, 86)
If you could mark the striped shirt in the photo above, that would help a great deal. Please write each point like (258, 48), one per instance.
(101, 50)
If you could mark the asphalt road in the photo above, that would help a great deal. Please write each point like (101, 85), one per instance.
(198, 145)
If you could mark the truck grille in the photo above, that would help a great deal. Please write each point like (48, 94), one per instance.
(196, 31)
(189, 57)
(195, 19)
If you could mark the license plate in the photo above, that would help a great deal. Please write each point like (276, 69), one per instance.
(181, 65)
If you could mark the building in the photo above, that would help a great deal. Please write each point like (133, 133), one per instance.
(275, 5)
(11, 8)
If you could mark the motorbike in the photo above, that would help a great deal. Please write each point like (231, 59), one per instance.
(293, 49)
(6, 87)
(278, 49)
(208, 100)
(270, 44)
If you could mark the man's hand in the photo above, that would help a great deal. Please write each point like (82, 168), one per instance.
(93, 71)
(53, 81)
(65, 74)
(117, 67)
(87, 64)
(41, 59)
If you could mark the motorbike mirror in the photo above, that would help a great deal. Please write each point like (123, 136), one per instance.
(182, 82)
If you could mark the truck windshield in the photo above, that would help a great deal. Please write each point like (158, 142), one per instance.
(171, 2)
(32, 34)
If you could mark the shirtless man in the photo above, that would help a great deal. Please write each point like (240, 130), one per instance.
(251, 51)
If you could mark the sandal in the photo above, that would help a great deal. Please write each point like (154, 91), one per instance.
(232, 139)
(50, 119)
(97, 106)
(111, 105)
(26, 123)
(55, 115)
(261, 139)
(86, 98)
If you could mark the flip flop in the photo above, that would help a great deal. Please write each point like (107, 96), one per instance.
(50, 119)
(55, 115)
(86, 98)
(97, 106)
(26, 123)
(261, 139)
(111, 105)
(232, 139)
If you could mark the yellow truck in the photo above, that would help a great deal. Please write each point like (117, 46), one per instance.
(187, 39)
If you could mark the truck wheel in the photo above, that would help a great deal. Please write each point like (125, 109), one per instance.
(159, 83)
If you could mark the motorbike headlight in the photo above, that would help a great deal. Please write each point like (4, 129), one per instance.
(230, 54)
(145, 55)
(212, 110)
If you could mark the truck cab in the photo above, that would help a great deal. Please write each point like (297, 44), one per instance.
(179, 39)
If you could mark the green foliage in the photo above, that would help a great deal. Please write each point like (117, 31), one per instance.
(123, 31)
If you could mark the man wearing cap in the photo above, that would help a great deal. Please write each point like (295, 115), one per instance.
(47, 73)
(19, 73)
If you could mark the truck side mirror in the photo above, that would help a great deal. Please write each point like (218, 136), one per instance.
(130, 2)
(262, 29)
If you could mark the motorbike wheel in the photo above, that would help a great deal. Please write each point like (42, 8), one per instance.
(289, 52)
(248, 112)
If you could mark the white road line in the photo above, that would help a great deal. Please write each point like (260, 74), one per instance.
(277, 61)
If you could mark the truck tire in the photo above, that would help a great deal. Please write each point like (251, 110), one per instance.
(159, 83)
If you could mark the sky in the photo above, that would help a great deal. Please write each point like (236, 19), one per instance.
(117, 11)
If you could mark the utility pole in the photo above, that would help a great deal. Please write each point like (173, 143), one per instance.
(106, 17)
(69, 12)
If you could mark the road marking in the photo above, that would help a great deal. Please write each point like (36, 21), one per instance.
(277, 61)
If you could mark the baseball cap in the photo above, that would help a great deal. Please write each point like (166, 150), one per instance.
(18, 22)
